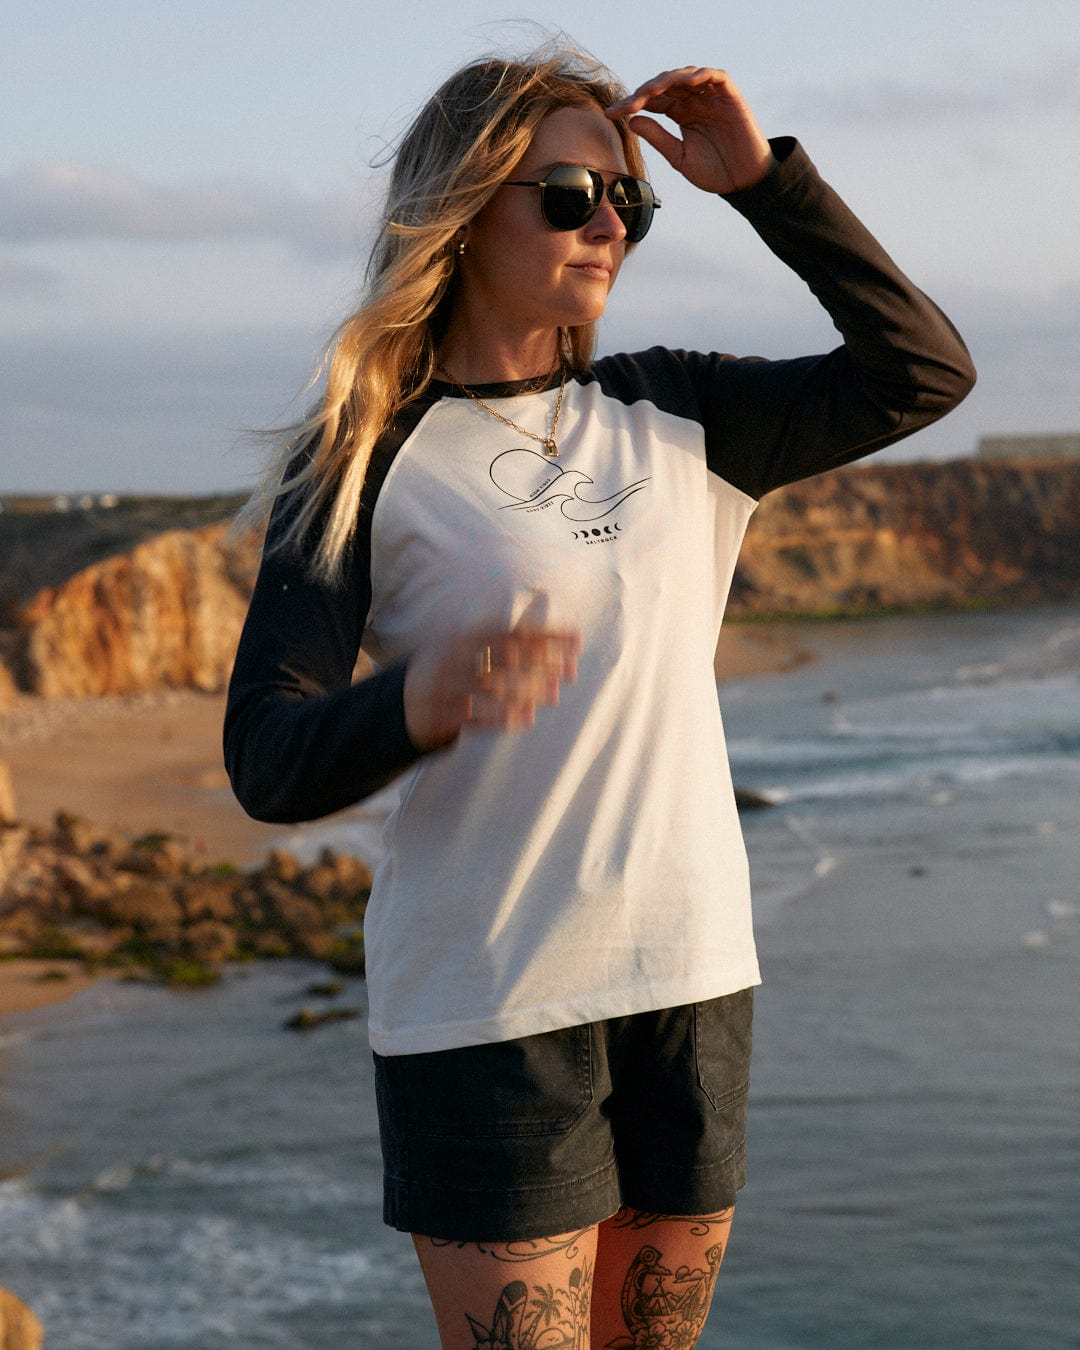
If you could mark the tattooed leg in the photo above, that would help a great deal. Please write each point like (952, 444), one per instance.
(655, 1275)
(533, 1295)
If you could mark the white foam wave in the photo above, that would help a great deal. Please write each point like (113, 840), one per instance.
(164, 1277)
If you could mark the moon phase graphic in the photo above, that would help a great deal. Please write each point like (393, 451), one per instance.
(609, 530)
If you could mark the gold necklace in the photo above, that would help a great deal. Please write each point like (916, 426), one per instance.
(551, 448)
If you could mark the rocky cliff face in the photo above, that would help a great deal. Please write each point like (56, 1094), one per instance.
(915, 535)
(167, 613)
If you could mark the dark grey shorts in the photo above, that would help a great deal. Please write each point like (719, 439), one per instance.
(555, 1132)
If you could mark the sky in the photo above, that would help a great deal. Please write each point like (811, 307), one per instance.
(187, 186)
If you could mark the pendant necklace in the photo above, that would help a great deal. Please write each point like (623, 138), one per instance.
(551, 447)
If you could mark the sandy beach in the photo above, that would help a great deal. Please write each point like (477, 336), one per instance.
(153, 763)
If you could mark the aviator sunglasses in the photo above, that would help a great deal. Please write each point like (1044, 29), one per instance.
(571, 195)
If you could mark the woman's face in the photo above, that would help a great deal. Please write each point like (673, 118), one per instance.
(520, 275)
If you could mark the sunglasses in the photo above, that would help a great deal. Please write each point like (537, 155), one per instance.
(571, 195)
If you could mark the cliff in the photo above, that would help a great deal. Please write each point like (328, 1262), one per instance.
(79, 590)
(165, 615)
(946, 536)
(165, 610)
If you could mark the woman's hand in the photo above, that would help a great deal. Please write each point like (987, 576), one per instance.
(722, 148)
(484, 679)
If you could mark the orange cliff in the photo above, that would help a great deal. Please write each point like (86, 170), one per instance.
(165, 615)
(911, 536)
(166, 612)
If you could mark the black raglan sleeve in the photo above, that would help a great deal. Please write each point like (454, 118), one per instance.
(901, 366)
(301, 740)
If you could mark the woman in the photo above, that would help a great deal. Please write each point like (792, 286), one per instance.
(535, 550)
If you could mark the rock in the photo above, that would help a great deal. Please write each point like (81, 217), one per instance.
(78, 880)
(888, 536)
(325, 989)
(20, 1329)
(210, 942)
(271, 945)
(77, 890)
(209, 898)
(8, 814)
(306, 1020)
(282, 866)
(81, 836)
(151, 907)
(321, 881)
(156, 856)
(8, 690)
(166, 615)
(13, 840)
(294, 913)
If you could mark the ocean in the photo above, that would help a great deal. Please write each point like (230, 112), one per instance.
(196, 1176)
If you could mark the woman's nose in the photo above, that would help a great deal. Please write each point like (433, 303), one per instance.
(606, 223)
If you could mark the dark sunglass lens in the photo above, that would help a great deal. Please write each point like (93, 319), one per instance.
(570, 196)
(633, 201)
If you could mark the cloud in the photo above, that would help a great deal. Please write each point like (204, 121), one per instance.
(19, 279)
(1050, 88)
(67, 201)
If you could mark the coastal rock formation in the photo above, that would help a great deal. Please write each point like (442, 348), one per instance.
(165, 615)
(167, 612)
(8, 814)
(906, 536)
(8, 690)
(77, 891)
(20, 1329)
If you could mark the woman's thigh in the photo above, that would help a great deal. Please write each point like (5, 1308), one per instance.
(511, 1295)
(654, 1277)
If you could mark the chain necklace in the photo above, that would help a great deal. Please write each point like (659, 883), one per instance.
(551, 448)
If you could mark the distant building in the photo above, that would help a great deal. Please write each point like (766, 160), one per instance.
(1031, 447)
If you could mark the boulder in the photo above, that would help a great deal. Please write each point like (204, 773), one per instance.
(209, 898)
(210, 942)
(8, 814)
(9, 692)
(77, 890)
(20, 1329)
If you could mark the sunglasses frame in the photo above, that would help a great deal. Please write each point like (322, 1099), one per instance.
(650, 202)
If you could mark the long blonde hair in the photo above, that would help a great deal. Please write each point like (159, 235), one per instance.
(460, 147)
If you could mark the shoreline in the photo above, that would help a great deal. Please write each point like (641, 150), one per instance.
(152, 763)
(28, 984)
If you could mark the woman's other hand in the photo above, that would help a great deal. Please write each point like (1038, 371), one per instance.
(722, 148)
(484, 679)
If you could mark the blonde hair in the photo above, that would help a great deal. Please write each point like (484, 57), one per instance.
(451, 160)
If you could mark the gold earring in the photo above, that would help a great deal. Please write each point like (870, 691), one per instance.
(460, 250)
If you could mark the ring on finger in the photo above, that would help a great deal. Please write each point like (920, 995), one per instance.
(483, 661)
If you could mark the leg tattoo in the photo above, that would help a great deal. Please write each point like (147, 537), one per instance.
(666, 1309)
(664, 1305)
(553, 1319)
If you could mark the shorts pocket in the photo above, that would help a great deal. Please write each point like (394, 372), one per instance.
(723, 1033)
(538, 1085)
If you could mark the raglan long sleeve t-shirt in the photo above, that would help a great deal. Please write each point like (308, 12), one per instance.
(593, 865)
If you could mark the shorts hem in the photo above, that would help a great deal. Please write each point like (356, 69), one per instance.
(459, 1214)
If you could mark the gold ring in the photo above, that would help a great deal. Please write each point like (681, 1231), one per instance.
(483, 661)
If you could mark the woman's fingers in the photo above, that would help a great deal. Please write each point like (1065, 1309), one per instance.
(722, 149)
(493, 679)
(671, 89)
(517, 673)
